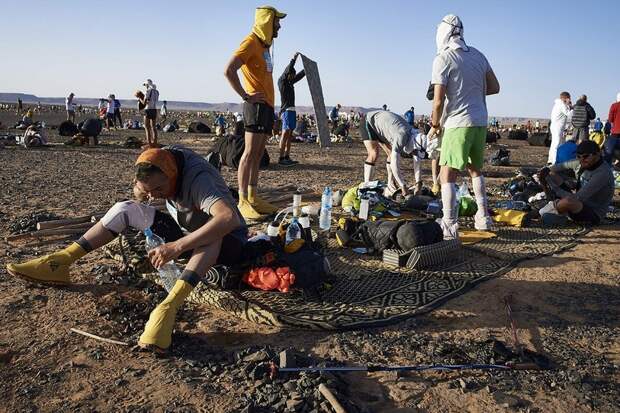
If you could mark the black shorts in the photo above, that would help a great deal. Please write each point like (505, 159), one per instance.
(150, 114)
(369, 134)
(258, 118)
(585, 216)
(167, 228)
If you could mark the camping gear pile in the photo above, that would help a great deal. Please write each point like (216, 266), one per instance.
(501, 157)
(171, 127)
(88, 132)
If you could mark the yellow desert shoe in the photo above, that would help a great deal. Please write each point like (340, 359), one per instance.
(51, 269)
(157, 333)
(248, 211)
(263, 206)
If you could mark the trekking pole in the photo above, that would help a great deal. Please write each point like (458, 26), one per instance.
(419, 368)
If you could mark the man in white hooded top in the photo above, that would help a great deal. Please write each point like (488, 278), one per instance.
(462, 78)
(560, 116)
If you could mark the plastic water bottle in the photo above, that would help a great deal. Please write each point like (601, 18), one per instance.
(293, 231)
(325, 219)
(169, 273)
(462, 191)
(515, 205)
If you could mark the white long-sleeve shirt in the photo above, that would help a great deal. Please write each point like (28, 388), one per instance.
(560, 115)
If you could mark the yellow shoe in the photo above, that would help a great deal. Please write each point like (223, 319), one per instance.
(263, 206)
(157, 333)
(436, 189)
(51, 269)
(248, 211)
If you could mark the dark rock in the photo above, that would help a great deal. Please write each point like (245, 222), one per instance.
(257, 357)
(294, 404)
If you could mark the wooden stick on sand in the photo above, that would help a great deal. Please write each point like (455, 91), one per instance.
(333, 401)
(62, 222)
(78, 229)
(106, 340)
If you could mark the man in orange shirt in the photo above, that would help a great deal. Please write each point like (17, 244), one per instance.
(257, 92)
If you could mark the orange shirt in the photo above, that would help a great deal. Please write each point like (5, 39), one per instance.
(257, 68)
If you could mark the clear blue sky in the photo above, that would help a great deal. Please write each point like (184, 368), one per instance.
(369, 52)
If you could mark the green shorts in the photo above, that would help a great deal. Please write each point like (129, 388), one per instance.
(463, 146)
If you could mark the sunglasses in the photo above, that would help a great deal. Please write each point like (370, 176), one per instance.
(584, 156)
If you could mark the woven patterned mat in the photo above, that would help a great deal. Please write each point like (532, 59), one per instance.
(366, 292)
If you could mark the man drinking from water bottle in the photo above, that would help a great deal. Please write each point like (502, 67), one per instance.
(204, 225)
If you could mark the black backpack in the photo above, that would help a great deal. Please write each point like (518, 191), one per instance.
(231, 148)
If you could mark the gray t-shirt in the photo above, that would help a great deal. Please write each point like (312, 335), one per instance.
(596, 188)
(201, 187)
(464, 75)
(391, 127)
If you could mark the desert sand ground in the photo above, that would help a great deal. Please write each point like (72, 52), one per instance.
(566, 307)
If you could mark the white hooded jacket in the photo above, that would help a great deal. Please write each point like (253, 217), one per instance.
(560, 115)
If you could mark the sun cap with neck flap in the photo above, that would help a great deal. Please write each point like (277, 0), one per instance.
(263, 23)
(165, 161)
(450, 34)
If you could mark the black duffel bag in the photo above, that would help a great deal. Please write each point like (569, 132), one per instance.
(403, 235)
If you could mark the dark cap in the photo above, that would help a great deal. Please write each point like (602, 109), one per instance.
(588, 147)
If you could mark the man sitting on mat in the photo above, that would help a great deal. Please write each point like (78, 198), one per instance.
(595, 186)
(209, 229)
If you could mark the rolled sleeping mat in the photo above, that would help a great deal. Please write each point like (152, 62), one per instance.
(433, 255)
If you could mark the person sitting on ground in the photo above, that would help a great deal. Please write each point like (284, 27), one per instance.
(595, 186)
(34, 136)
(288, 113)
(200, 203)
(26, 120)
(391, 132)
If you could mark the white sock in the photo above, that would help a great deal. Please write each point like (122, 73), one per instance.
(480, 192)
(369, 171)
(417, 170)
(448, 199)
(390, 177)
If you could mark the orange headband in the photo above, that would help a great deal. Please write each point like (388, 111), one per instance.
(162, 159)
